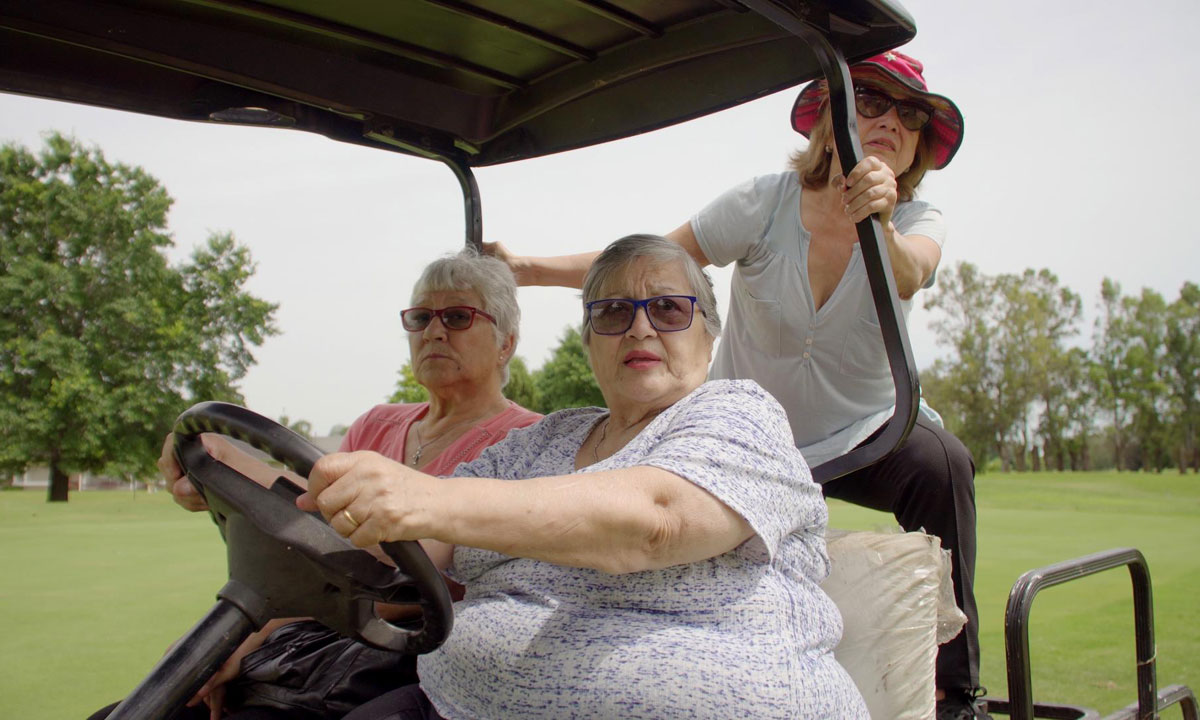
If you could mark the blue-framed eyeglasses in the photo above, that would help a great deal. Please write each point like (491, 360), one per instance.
(666, 313)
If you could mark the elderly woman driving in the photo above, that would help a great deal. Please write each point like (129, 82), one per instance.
(657, 559)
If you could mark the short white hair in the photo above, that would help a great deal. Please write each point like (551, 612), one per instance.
(488, 278)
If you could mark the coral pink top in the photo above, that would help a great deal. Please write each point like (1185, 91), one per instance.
(384, 429)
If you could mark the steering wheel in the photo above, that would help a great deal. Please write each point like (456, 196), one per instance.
(299, 564)
(283, 562)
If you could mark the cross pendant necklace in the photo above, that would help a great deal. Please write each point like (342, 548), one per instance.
(416, 460)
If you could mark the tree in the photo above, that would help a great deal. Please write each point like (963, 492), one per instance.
(1110, 377)
(408, 390)
(566, 380)
(1145, 358)
(1183, 374)
(102, 341)
(521, 388)
(1049, 315)
(974, 387)
(1003, 386)
(300, 427)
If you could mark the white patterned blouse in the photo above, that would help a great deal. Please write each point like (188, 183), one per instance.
(746, 634)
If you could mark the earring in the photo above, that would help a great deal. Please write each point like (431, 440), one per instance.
(828, 150)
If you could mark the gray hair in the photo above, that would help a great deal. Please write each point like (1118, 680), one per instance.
(619, 255)
(488, 278)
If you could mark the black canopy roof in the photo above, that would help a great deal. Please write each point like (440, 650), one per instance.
(479, 81)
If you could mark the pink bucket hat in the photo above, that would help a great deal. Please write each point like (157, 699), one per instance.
(945, 130)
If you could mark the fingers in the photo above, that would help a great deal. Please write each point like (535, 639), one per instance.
(166, 461)
(216, 703)
(327, 471)
(186, 496)
(364, 496)
(183, 492)
(497, 250)
(869, 189)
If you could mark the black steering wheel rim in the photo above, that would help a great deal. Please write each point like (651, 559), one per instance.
(293, 562)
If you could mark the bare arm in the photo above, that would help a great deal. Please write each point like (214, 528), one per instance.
(913, 258)
(555, 271)
(617, 521)
(570, 270)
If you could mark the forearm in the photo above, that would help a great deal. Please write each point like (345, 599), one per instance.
(231, 456)
(913, 259)
(556, 271)
(619, 521)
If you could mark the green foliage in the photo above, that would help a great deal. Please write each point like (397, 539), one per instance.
(300, 427)
(1082, 632)
(566, 380)
(1014, 389)
(521, 387)
(1183, 374)
(102, 342)
(408, 390)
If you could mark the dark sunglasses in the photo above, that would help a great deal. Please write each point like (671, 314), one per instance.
(458, 317)
(871, 103)
(666, 313)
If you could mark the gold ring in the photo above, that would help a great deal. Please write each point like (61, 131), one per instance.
(350, 518)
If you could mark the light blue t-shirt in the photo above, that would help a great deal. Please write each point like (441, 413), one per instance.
(746, 634)
(827, 367)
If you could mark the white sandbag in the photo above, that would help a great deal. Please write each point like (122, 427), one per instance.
(897, 603)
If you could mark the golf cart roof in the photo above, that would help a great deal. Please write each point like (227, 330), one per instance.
(479, 82)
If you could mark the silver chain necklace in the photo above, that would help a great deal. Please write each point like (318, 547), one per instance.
(421, 446)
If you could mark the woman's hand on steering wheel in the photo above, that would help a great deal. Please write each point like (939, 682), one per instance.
(183, 492)
(220, 449)
(368, 498)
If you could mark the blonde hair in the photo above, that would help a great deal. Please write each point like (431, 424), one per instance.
(813, 163)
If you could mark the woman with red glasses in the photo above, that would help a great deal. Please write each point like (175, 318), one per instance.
(802, 322)
(462, 333)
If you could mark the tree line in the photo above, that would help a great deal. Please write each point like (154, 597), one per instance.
(565, 380)
(1021, 386)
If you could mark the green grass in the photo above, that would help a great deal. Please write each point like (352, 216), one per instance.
(93, 591)
(1081, 633)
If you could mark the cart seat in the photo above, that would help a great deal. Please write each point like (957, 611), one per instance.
(897, 603)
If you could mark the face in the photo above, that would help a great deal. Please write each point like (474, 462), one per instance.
(644, 369)
(885, 136)
(443, 358)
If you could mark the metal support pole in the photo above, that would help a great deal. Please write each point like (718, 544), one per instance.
(1016, 625)
(872, 244)
(471, 206)
(188, 665)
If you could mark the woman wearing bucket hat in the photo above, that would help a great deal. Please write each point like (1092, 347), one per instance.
(802, 323)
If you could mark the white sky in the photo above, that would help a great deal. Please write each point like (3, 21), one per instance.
(1076, 158)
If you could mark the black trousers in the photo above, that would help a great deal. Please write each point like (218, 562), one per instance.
(929, 484)
(407, 703)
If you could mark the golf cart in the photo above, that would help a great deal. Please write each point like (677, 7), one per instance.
(470, 83)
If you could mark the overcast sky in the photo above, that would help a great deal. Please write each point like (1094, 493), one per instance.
(1076, 158)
